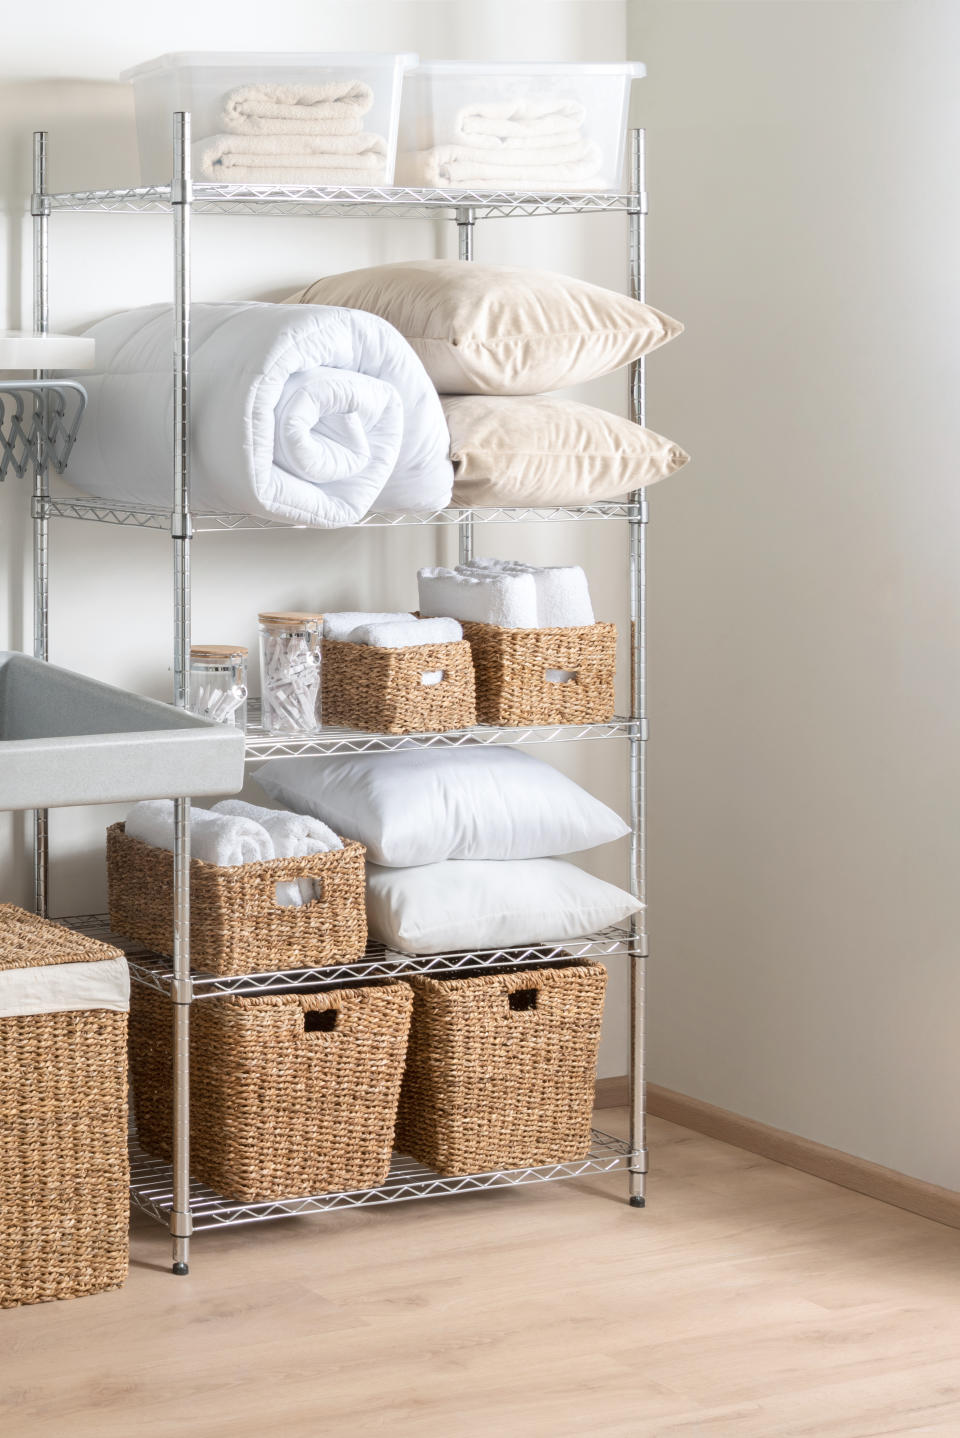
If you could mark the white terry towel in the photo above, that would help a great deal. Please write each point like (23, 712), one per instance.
(294, 159)
(518, 119)
(294, 836)
(214, 838)
(408, 634)
(336, 108)
(563, 594)
(507, 600)
(456, 166)
(342, 624)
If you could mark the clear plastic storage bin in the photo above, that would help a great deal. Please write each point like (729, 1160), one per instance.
(541, 128)
(272, 119)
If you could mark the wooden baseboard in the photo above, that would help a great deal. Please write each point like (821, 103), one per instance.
(886, 1184)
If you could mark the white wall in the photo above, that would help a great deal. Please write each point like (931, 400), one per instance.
(111, 588)
(805, 588)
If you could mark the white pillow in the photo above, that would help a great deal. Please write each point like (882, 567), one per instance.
(481, 904)
(418, 806)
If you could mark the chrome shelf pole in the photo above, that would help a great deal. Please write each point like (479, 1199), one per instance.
(638, 708)
(181, 1221)
(466, 222)
(41, 488)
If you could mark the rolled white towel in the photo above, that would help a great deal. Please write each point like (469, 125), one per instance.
(214, 838)
(294, 836)
(563, 593)
(408, 633)
(341, 625)
(507, 600)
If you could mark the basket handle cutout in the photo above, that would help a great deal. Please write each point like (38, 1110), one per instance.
(432, 676)
(320, 1021)
(522, 1000)
(311, 892)
(560, 676)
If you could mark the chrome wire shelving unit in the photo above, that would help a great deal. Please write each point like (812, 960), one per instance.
(166, 1190)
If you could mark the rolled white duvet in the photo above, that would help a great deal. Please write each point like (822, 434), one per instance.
(307, 413)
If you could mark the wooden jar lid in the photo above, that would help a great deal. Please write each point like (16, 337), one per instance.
(291, 616)
(216, 651)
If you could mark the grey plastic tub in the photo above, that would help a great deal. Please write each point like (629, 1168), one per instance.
(66, 739)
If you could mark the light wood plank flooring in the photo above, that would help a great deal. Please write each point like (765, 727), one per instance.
(747, 1300)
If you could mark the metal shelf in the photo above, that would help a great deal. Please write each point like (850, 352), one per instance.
(151, 1186)
(155, 972)
(261, 744)
(149, 516)
(350, 203)
(166, 1191)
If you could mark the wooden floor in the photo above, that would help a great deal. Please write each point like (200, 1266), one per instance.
(747, 1300)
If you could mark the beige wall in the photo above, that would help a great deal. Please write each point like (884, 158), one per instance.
(111, 587)
(805, 582)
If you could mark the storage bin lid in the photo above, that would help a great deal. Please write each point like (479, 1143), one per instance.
(26, 349)
(247, 59)
(27, 941)
(631, 69)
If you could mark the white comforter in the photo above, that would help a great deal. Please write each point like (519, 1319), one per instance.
(305, 413)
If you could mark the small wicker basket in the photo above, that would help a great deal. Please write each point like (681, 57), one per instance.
(236, 924)
(64, 1180)
(544, 676)
(501, 1068)
(395, 691)
(289, 1095)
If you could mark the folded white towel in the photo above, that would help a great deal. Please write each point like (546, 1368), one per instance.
(408, 634)
(295, 159)
(336, 108)
(453, 165)
(214, 838)
(518, 118)
(507, 600)
(563, 594)
(294, 836)
(341, 625)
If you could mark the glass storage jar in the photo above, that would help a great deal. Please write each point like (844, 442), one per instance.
(290, 688)
(218, 683)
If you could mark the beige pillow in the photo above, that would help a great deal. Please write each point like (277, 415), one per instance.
(536, 450)
(498, 329)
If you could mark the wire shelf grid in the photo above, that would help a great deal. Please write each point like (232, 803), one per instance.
(332, 739)
(151, 1186)
(343, 203)
(379, 962)
(149, 516)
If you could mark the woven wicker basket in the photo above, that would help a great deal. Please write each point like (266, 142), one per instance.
(501, 1069)
(64, 1195)
(519, 674)
(289, 1095)
(236, 924)
(383, 690)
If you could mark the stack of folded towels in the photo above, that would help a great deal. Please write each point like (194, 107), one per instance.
(391, 631)
(520, 144)
(235, 832)
(462, 844)
(296, 135)
(508, 593)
